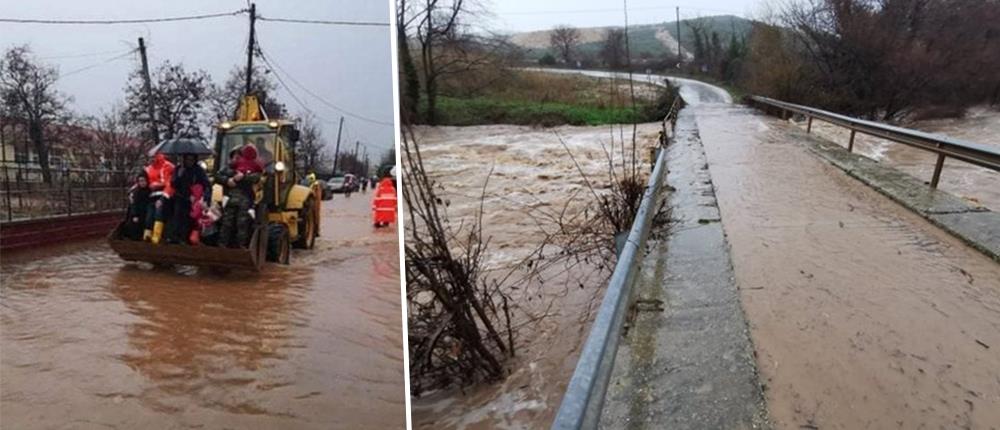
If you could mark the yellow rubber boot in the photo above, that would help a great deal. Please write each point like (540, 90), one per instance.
(157, 232)
(147, 234)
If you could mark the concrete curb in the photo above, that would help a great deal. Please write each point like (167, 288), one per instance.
(977, 226)
(687, 360)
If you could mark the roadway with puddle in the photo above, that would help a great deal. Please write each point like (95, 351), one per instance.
(93, 342)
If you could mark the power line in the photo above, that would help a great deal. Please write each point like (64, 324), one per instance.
(641, 8)
(320, 99)
(85, 68)
(267, 63)
(88, 54)
(121, 21)
(326, 22)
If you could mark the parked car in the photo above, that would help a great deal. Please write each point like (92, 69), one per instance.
(335, 184)
(327, 187)
(340, 184)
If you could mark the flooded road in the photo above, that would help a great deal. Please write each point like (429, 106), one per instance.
(974, 183)
(532, 176)
(863, 314)
(694, 92)
(92, 342)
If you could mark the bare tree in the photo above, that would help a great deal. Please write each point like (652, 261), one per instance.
(116, 141)
(224, 99)
(410, 80)
(563, 40)
(311, 148)
(28, 92)
(440, 21)
(613, 49)
(888, 58)
(351, 163)
(178, 99)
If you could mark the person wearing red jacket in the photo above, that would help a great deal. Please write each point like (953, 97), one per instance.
(160, 173)
(384, 202)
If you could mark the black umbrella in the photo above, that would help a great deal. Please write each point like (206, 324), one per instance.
(181, 146)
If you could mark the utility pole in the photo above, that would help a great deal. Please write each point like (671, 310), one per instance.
(356, 159)
(148, 88)
(336, 152)
(250, 45)
(680, 56)
(365, 156)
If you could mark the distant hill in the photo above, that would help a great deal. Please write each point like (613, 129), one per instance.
(654, 39)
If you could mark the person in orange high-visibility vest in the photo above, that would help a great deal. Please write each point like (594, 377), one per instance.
(384, 203)
(160, 173)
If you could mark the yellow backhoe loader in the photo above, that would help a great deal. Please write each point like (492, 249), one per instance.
(287, 213)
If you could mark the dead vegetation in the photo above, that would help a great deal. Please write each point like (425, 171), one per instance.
(461, 314)
(464, 316)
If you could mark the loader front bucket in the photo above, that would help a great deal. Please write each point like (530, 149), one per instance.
(250, 258)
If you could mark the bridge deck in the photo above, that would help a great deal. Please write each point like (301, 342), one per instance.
(862, 313)
(687, 360)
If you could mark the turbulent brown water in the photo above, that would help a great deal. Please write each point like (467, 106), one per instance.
(532, 174)
(90, 341)
(971, 182)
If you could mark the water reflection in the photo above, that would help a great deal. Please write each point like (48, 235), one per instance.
(204, 335)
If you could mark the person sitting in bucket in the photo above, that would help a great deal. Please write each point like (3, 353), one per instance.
(238, 179)
(159, 173)
(186, 176)
(138, 205)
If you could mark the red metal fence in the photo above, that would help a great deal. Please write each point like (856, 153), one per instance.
(74, 204)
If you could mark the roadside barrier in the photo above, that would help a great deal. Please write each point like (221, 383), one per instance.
(975, 153)
(584, 399)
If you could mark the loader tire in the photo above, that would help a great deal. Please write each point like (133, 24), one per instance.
(308, 226)
(278, 244)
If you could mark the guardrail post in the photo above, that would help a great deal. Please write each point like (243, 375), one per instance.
(6, 187)
(850, 144)
(69, 199)
(937, 170)
(809, 125)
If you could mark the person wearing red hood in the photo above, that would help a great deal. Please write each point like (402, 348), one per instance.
(247, 162)
(237, 180)
(160, 174)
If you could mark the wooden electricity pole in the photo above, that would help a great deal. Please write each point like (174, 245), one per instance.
(250, 45)
(336, 151)
(147, 87)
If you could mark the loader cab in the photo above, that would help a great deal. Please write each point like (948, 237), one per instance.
(275, 143)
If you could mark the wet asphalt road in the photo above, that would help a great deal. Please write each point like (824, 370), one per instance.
(92, 342)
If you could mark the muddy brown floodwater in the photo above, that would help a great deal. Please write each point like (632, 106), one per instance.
(976, 184)
(92, 342)
(532, 173)
(863, 314)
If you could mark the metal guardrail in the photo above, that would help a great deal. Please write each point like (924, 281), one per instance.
(974, 153)
(584, 399)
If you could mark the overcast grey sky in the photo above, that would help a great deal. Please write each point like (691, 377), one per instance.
(348, 66)
(526, 15)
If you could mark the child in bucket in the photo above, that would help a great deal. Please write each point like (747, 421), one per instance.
(202, 220)
(138, 204)
(238, 180)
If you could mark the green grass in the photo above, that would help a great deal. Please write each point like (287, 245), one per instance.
(483, 110)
